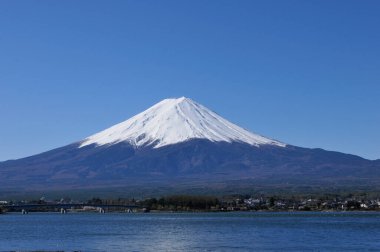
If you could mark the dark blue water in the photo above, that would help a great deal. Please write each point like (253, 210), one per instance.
(191, 232)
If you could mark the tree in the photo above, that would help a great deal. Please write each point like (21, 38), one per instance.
(271, 201)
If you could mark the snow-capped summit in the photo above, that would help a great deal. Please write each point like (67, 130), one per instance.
(173, 121)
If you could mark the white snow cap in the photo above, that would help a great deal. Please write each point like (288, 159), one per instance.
(173, 121)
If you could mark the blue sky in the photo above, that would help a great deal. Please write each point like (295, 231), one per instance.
(303, 72)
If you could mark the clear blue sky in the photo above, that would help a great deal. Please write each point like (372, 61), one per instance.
(303, 72)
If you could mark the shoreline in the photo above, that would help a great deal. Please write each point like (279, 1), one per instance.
(191, 212)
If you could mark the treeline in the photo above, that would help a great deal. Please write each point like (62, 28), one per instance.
(181, 203)
(171, 203)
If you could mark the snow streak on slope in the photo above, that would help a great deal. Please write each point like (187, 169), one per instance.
(173, 121)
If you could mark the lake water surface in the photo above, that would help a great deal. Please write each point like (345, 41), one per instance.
(190, 232)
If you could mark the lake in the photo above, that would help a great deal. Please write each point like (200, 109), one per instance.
(238, 231)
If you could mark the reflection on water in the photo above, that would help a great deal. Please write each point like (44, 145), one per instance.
(190, 231)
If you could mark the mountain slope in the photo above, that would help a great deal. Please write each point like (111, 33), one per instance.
(180, 141)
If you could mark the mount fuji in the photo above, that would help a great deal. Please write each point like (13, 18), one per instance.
(179, 142)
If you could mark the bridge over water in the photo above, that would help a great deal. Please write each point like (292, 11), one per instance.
(25, 208)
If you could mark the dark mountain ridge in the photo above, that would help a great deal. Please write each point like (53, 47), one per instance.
(195, 160)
